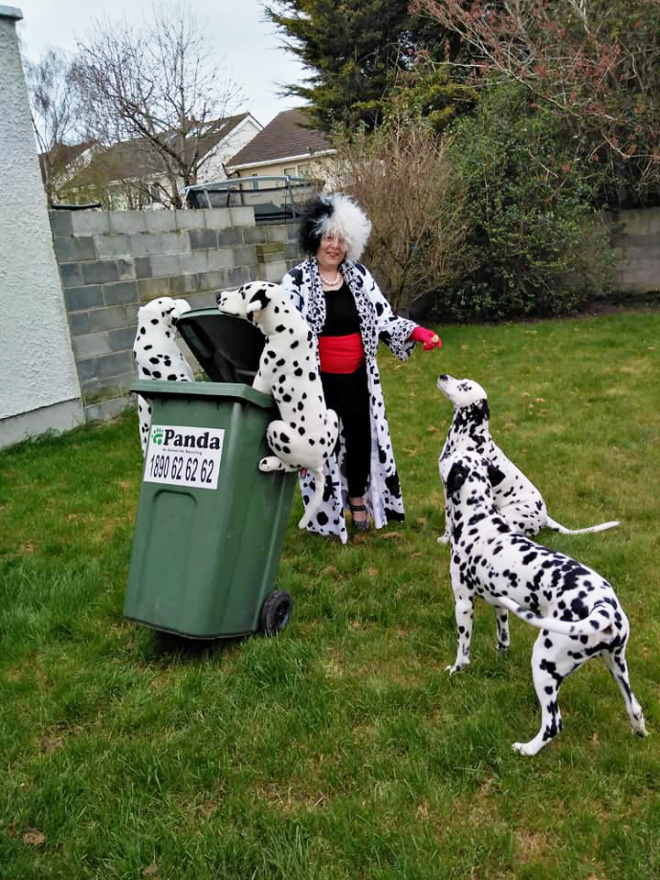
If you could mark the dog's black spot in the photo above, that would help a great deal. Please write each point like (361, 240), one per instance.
(495, 475)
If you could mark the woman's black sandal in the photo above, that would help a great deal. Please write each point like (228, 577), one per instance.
(362, 525)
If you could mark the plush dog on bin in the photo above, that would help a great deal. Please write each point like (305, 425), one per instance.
(307, 431)
(156, 353)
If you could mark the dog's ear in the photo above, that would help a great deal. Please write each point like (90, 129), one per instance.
(258, 301)
(495, 475)
(170, 309)
(456, 477)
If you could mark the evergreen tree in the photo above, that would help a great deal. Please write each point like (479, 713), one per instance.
(429, 94)
(353, 50)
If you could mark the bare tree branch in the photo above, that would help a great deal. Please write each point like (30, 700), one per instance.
(401, 175)
(52, 105)
(156, 84)
(597, 64)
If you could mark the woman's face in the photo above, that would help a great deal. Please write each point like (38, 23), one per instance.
(332, 250)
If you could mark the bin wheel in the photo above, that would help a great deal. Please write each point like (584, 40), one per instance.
(275, 612)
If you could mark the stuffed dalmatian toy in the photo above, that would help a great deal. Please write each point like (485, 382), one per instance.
(306, 434)
(156, 353)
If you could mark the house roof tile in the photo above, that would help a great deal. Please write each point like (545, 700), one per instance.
(286, 136)
(61, 155)
(138, 158)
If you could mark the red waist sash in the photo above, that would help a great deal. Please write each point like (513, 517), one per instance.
(341, 354)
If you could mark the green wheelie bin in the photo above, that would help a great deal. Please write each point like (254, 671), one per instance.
(210, 526)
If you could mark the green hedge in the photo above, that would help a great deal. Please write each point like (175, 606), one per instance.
(534, 246)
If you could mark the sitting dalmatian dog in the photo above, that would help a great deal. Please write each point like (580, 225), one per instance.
(307, 431)
(155, 352)
(575, 608)
(518, 500)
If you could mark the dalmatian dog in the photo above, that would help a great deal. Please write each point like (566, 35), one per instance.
(518, 500)
(306, 433)
(156, 353)
(575, 608)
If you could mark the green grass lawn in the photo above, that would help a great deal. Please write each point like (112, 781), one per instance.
(340, 749)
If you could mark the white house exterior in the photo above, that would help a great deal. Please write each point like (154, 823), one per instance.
(39, 388)
(284, 147)
(238, 137)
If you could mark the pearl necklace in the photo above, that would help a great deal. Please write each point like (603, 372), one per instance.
(328, 282)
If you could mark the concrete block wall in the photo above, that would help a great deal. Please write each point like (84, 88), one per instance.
(112, 262)
(636, 240)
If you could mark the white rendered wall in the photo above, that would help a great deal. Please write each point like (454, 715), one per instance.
(39, 387)
(214, 169)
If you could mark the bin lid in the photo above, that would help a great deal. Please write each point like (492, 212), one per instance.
(201, 391)
(227, 348)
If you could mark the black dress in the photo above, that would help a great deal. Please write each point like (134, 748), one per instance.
(348, 393)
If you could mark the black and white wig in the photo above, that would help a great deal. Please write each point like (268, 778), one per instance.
(335, 214)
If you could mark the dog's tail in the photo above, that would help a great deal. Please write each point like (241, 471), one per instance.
(315, 503)
(558, 527)
(598, 620)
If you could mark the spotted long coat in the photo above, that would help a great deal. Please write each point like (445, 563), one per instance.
(377, 323)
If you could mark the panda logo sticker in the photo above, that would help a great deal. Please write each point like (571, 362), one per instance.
(184, 456)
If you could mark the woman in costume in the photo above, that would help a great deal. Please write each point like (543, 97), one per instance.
(345, 309)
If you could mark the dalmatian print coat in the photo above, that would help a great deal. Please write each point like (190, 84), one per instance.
(377, 323)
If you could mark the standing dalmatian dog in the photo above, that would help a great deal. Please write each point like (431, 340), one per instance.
(307, 431)
(575, 608)
(155, 352)
(518, 500)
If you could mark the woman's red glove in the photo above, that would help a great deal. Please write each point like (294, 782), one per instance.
(428, 338)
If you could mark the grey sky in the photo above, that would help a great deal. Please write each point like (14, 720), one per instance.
(251, 48)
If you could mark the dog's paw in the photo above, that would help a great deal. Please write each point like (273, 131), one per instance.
(528, 749)
(444, 539)
(639, 727)
(270, 463)
(455, 668)
(502, 649)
